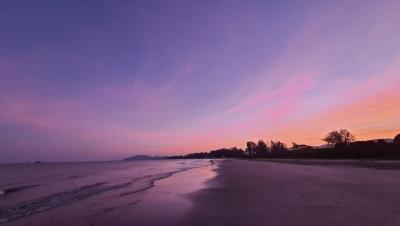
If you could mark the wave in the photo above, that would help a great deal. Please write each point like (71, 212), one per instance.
(59, 199)
(17, 189)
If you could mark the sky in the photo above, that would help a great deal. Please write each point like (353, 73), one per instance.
(102, 80)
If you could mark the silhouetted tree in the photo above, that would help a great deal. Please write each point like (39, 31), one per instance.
(397, 139)
(198, 155)
(251, 148)
(277, 146)
(343, 136)
(226, 153)
(262, 148)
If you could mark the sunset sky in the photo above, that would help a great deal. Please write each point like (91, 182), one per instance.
(103, 80)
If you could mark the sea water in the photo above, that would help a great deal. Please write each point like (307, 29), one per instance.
(32, 188)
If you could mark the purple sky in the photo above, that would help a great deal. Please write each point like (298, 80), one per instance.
(98, 80)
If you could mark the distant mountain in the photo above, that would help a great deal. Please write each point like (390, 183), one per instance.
(141, 157)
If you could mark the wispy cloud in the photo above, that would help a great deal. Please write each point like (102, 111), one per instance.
(195, 76)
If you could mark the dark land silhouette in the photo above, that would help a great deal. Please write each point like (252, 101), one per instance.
(142, 157)
(341, 144)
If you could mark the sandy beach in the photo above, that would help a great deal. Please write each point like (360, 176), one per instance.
(279, 193)
(218, 192)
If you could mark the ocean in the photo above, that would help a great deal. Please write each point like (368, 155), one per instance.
(83, 190)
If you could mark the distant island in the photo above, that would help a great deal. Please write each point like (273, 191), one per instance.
(142, 157)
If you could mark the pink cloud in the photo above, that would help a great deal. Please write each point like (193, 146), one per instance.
(295, 86)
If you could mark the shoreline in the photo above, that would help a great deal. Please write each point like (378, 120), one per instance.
(144, 200)
(247, 192)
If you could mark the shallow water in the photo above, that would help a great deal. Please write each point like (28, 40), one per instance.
(98, 188)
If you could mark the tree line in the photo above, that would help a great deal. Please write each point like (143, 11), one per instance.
(341, 144)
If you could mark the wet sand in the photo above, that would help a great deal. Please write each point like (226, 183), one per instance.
(279, 193)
